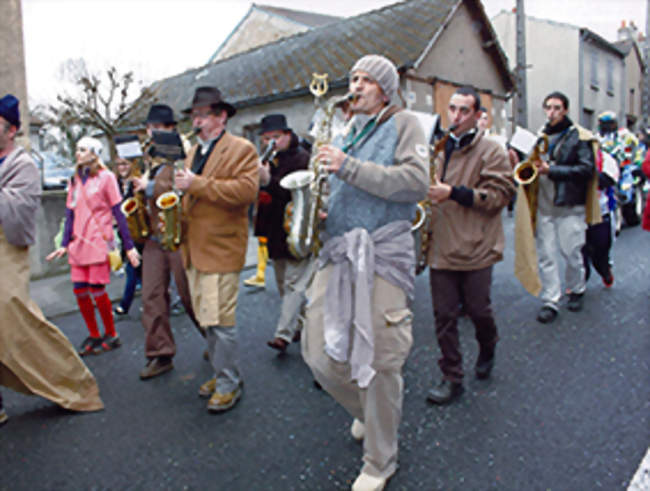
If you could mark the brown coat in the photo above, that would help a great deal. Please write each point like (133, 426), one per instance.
(215, 207)
(471, 238)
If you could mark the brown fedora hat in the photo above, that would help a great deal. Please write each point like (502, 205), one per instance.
(209, 96)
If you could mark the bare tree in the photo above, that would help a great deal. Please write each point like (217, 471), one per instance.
(98, 103)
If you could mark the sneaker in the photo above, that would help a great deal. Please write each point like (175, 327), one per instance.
(208, 388)
(156, 366)
(90, 346)
(357, 430)
(366, 482)
(111, 343)
(255, 281)
(219, 403)
(3, 417)
(575, 302)
(119, 311)
(608, 280)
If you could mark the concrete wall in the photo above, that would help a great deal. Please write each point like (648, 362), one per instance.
(598, 97)
(559, 59)
(634, 81)
(12, 68)
(257, 28)
(48, 219)
(552, 53)
(458, 56)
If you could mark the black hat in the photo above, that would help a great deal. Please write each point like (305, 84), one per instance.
(160, 113)
(210, 96)
(274, 122)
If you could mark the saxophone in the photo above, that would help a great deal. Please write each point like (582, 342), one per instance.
(169, 203)
(422, 225)
(525, 174)
(307, 186)
(133, 209)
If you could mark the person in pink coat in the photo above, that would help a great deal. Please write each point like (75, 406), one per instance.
(93, 202)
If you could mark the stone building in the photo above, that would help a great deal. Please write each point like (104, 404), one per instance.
(437, 46)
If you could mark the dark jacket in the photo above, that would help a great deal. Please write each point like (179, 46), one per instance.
(271, 215)
(573, 165)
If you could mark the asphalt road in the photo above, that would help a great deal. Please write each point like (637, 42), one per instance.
(567, 407)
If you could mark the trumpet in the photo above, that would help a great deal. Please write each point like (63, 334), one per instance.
(525, 172)
(269, 153)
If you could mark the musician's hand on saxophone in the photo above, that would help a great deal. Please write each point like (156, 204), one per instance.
(140, 183)
(183, 178)
(542, 166)
(439, 192)
(331, 158)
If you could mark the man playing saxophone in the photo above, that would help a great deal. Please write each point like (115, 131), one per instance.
(158, 262)
(291, 274)
(358, 324)
(473, 184)
(220, 181)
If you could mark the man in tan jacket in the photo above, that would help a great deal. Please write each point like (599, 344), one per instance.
(474, 182)
(220, 181)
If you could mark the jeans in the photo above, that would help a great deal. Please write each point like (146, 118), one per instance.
(133, 277)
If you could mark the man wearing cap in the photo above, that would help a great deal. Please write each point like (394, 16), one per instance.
(220, 181)
(35, 357)
(291, 274)
(158, 263)
(358, 323)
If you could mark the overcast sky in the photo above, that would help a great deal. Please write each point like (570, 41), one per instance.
(160, 38)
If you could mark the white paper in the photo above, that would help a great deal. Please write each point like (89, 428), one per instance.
(129, 150)
(523, 140)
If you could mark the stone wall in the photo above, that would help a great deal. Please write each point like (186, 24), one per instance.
(48, 220)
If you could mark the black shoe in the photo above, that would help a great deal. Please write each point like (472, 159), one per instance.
(546, 315)
(575, 302)
(446, 392)
(111, 343)
(484, 365)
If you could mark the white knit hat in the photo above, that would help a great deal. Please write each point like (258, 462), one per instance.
(92, 144)
(382, 71)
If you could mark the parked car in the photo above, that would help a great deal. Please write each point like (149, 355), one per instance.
(55, 170)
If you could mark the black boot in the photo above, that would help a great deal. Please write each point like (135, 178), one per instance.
(446, 392)
(484, 365)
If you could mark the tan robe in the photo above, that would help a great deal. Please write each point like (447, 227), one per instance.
(35, 357)
(526, 268)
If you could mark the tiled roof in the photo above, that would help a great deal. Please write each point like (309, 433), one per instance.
(310, 19)
(402, 32)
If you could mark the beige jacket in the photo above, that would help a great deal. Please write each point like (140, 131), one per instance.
(471, 238)
(215, 207)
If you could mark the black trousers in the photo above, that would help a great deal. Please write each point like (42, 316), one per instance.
(448, 290)
(597, 246)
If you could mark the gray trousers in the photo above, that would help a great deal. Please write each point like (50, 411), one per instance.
(563, 232)
(223, 347)
(293, 278)
(379, 405)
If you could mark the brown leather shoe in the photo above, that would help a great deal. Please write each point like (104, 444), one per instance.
(278, 344)
(156, 366)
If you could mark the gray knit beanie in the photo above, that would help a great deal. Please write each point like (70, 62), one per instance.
(382, 70)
